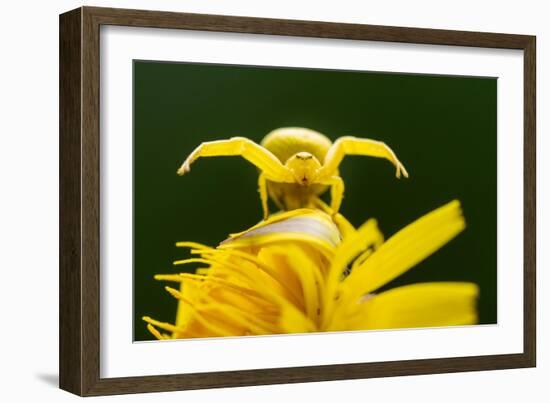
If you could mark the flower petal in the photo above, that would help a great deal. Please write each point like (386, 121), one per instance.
(366, 236)
(421, 305)
(405, 249)
(312, 227)
(305, 273)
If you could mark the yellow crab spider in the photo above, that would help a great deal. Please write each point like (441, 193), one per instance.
(289, 160)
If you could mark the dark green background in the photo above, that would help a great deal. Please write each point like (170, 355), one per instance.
(442, 128)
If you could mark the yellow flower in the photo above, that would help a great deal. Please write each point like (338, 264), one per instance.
(304, 271)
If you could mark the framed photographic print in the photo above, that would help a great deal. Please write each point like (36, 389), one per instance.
(250, 201)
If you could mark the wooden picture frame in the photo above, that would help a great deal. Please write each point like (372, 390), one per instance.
(80, 185)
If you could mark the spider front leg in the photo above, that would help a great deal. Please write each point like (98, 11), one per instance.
(262, 188)
(357, 146)
(240, 146)
(336, 192)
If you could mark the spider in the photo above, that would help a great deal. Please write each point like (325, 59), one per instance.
(296, 164)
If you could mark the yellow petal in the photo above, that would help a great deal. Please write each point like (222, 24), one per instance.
(190, 292)
(421, 305)
(305, 273)
(292, 320)
(405, 249)
(280, 216)
(365, 237)
(279, 263)
(312, 227)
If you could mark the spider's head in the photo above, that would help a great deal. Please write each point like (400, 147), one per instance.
(305, 167)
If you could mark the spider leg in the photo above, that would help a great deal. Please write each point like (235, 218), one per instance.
(336, 192)
(356, 146)
(262, 188)
(318, 203)
(276, 198)
(344, 226)
(240, 146)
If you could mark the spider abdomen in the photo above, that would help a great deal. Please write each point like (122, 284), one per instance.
(288, 141)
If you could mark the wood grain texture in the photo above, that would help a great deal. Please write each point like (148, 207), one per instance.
(90, 202)
(80, 196)
(530, 202)
(70, 271)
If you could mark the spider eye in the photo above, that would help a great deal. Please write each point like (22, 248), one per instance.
(304, 156)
